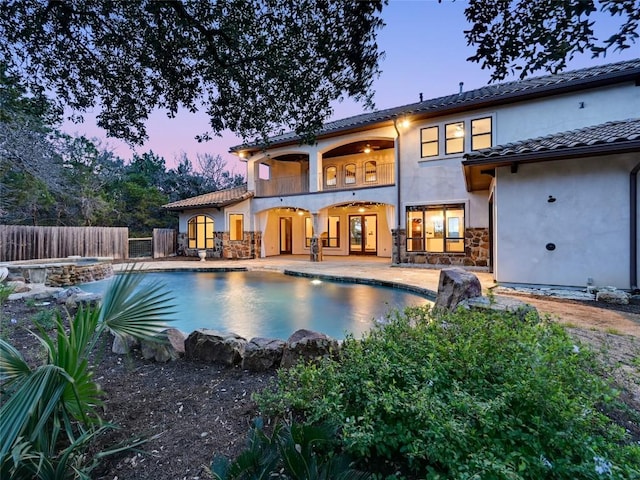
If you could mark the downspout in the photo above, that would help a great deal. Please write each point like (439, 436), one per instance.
(398, 212)
(633, 227)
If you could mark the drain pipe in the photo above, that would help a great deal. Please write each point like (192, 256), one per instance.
(633, 227)
(398, 212)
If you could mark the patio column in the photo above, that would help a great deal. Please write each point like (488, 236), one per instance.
(315, 250)
(315, 170)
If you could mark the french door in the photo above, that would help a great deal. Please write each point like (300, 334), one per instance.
(363, 234)
(285, 235)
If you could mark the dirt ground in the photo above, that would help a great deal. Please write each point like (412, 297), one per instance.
(195, 411)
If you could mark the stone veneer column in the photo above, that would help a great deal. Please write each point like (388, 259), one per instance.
(399, 250)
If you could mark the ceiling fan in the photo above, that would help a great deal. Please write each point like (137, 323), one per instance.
(368, 148)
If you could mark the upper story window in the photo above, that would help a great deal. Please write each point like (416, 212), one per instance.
(481, 133)
(331, 176)
(454, 138)
(370, 172)
(350, 174)
(429, 142)
(459, 137)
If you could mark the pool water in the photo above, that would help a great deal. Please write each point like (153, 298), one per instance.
(273, 305)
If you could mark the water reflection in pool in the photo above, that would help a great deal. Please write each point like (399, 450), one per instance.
(273, 305)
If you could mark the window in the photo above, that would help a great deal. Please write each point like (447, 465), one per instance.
(308, 230)
(370, 170)
(331, 176)
(429, 142)
(332, 237)
(236, 226)
(200, 232)
(350, 174)
(454, 138)
(264, 171)
(435, 228)
(481, 133)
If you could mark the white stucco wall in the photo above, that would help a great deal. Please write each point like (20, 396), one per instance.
(560, 113)
(588, 222)
(219, 222)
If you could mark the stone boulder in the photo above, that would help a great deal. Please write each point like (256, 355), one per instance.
(307, 346)
(18, 286)
(4, 273)
(262, 354)
(502, 304)
(163, 352)
(123, 344)
(454, 286)
(214, 347)
(613, 296)
(75, 297)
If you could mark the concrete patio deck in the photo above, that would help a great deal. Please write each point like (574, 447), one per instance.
(373, 269)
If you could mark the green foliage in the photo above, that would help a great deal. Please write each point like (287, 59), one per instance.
(527, 36)
(5, 291)
(297, 452)
(464, 395)
(250, 64)
(46, 319)
(50, 413)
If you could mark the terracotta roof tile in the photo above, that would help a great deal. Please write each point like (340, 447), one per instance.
(605, 134)
(220, 198)
(521, 88)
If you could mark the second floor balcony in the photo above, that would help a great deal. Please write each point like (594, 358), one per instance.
(335, 177)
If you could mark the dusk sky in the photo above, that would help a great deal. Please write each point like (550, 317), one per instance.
(425, 51)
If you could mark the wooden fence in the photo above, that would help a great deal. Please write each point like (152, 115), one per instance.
(28, 243)
(165, 241)
(18, 243)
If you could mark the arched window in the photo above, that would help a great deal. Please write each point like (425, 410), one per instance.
(331, 176)
(350, 174)
(370, 170)
(200, 231)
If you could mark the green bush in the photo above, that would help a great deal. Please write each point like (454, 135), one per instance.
(466, 395)
(5, 291)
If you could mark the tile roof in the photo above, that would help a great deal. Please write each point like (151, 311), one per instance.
(611, 134)
(531, 87)
(220, 198)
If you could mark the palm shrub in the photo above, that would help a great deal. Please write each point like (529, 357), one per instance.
(466, 395)
(293, 451)
(48, 413)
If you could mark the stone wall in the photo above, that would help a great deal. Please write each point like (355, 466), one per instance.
(63, 274)
(248, 247)
(476, 251)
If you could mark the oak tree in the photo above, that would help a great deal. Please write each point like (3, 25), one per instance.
(526, 36)
(258, 67)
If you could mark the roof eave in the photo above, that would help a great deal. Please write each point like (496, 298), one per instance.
(471, 166)
(611, 78)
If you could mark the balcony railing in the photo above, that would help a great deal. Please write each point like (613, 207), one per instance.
(362, 177)
(282, 186)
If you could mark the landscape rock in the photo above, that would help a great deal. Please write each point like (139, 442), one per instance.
(613, 296)
(18, 286)
(163, 352)
(214, 347)
(262, 354)
(454, 286)
(123, 344)
(307, 345)
(501, 304)
(4, 273)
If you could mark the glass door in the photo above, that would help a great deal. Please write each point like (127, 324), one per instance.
(285, 235)
(363, 235)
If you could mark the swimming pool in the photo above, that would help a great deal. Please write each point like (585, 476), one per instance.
(273, 305)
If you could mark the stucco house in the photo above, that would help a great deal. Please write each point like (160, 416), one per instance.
(534, 180)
